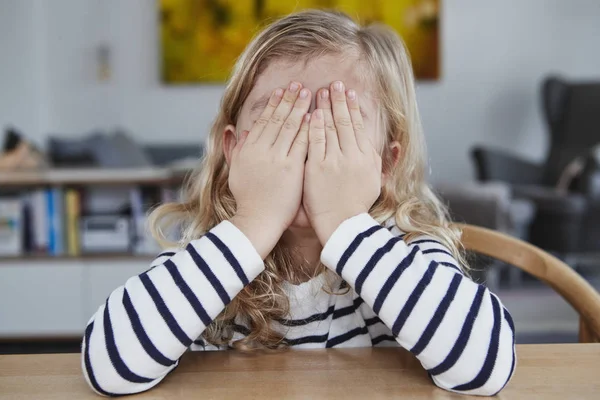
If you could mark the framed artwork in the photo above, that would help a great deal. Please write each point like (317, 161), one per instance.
(201, 39)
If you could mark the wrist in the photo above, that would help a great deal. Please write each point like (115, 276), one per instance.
(263, 233)
(326, 224)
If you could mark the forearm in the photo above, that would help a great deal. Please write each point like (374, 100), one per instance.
(459, 330)
(137, 336)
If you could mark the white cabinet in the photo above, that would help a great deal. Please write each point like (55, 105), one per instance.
(41, 299)
(56, 298)
(102, 277)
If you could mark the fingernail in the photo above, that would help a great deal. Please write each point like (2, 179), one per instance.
(294, 86)
(351, 94)
(303, 93)
(325, 94)
(338, 86)
(279, 92)
(318, 113)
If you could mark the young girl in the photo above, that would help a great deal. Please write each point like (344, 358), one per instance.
(308, 225)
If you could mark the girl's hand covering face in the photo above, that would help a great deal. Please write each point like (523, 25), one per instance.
(267, 168)
(342, 176)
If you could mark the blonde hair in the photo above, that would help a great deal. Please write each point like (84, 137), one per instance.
(405, 196)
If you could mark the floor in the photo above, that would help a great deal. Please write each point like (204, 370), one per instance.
(540, 314)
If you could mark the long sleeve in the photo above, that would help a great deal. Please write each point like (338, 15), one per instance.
(459, 330)
(137, 337)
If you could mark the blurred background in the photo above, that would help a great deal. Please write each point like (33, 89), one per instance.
(105, 105)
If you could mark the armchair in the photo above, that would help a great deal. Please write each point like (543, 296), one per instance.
(567, 219)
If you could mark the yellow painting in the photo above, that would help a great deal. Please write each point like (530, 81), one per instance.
(201, 39)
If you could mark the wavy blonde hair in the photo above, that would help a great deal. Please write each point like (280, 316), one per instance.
(405, 196)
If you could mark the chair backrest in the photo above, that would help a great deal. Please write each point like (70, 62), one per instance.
(572, 287)
(572, 112)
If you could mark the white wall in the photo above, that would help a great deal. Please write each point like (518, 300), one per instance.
(494, 57)
(20, 55)
(134, 98)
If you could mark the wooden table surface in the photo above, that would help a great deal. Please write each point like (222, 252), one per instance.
(563, 371)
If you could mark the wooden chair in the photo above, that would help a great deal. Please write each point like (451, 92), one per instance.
(570, 285)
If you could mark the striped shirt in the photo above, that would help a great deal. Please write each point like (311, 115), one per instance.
(402, 294)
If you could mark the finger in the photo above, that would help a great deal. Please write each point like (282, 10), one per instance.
(240, 143)
(281, 113)
(324, 103)
(362, 138)
(265, 116)
(341, 117)
(316, 136)
(292, 124)
(323, 98)
(299, 149)
(242, 139)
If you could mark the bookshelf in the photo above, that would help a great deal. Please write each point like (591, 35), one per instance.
(91, 176)
(49, 295)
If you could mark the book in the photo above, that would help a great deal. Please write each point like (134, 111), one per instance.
(168, 195)
(72, 214)
(55, 207)
(141, 201)
(39, 220)
(136, 203)
(11, 226)
(26, 222)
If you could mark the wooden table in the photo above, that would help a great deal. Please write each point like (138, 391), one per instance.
(569, 371)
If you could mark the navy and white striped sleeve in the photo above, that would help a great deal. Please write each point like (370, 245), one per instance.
(459, 330)
(137, 337)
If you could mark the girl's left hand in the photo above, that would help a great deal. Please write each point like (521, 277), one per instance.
(342, 177)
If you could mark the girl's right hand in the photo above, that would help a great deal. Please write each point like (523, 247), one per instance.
(266, 171)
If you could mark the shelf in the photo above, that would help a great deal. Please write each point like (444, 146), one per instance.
(92, 176)
(84, 257)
